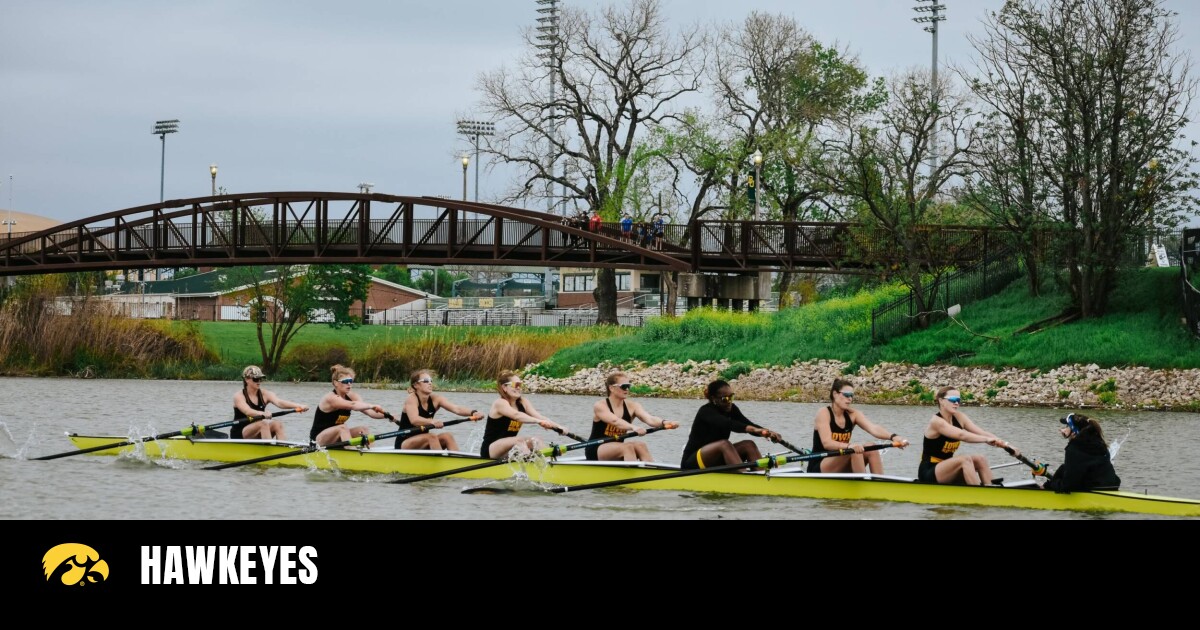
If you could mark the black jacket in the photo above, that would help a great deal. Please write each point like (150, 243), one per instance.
(1086, 466)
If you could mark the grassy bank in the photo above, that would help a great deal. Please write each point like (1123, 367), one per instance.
(467, 355)
(1142, 328)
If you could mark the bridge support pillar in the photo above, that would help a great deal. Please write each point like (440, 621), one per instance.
(730, 292)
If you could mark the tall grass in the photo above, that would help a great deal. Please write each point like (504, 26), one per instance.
(838, 328)
(475, 356)
(37, 340)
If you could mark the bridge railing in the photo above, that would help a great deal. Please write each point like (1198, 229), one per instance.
(987, 278)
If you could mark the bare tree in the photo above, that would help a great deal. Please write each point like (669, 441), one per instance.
(1006, 184)
(1117, 93)
(879, 163)
(619, 74)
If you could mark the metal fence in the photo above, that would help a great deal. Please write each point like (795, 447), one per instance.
(1189, 256)
(981, 280)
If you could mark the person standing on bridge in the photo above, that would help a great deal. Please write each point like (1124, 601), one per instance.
(660, 230)
(627, 228)
(595, 222)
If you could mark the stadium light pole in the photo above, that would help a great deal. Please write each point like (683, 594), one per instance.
(474, 130)
(934, 9)
(212, 168)
(161, 129)
(549, 37)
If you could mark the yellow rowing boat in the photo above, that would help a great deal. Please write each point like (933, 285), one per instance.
(784, 482)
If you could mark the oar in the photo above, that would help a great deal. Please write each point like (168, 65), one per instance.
(358, 441)
(189, 431)
(550, 451)
(765, 462)
(1039, 469)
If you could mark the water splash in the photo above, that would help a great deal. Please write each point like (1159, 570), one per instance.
(1115, 447)
(7, 443)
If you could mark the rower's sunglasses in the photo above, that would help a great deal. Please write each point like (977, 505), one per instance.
(728, 398)
(847, 394)
(346, 381)
(625, 386)
(515, 384)
(256, 379)
(426, 380)
(954, 399)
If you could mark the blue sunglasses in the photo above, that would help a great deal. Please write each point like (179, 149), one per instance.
(954, 399)
(346, 381)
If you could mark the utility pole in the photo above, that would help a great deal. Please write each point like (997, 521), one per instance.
(935, 15)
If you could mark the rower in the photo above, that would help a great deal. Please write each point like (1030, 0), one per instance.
(607, 424)
(329, 421)
(829, 435)
(708, 443)
(946, 431)
(250, 409)
(507, 415)
(419, 409)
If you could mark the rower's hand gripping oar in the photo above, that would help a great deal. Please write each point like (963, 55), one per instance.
(553, 450)
(1039, 469)
(196, 430)
(361, 440)
(764, 463)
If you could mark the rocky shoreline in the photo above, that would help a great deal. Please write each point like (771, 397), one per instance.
(1070, 386)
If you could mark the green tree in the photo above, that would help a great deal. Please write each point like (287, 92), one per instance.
(878, 165)
(284, 299)
(1116, 91)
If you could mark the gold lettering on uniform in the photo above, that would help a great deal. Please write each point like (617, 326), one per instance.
(514, 426)
(343, 419)
(612, 431)
(950, 447)
(841, 437)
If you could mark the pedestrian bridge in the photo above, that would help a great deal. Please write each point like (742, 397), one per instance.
(353, 228)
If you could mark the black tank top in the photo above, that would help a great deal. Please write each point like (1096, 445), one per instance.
(497, 429)
(602, 429)
(324, 419)
(840, 434)
(938, 449)
(405, 423)
(243, 420)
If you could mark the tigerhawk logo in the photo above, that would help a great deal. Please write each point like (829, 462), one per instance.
(75, 564)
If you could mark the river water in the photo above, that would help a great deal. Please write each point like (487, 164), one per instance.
(1156, 456)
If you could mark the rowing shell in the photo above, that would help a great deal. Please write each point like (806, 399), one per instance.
(785, 482)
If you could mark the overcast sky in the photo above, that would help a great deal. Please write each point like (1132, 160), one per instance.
(307, 95)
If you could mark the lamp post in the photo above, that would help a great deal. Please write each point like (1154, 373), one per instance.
(212, 168)
(161, 129)
(758, 160)
(934, 9)
(466, 161)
